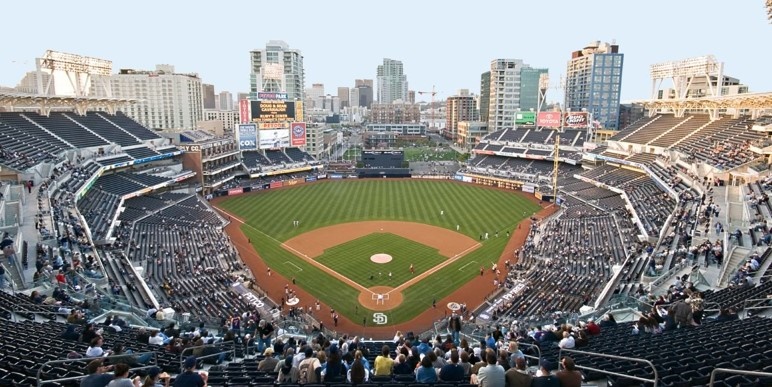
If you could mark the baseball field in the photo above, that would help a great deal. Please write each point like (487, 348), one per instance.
(391, 247)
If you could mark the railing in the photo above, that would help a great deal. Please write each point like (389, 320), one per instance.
(153, 358)
(668, 274)
(717, 371)
(655, 380)
(221, 345)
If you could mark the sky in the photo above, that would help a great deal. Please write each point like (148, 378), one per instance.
(446, 44)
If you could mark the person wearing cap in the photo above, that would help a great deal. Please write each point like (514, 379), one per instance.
(268, 364)
(569, 376)
(96, 374)
(544, 377)
(154, 378)
(189, 377)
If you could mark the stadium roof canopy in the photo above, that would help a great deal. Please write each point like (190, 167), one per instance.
(45, 103)
(756, 103)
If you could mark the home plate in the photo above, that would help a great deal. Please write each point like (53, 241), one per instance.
(381, 258)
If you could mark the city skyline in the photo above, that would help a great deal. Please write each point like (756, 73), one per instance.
(429, 57)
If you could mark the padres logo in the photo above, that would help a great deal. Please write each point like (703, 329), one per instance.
(298, 131)
(454, 306)
(380, 318)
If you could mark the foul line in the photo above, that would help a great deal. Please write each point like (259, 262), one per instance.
(296, 266)
(303, 256)
(435, 269)
(463, 267)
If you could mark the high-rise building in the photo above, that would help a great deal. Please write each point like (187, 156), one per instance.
(207, 94)
(166, 100)
(29, 84)
(411, 96)
(277, 69)
(353, 97)
(395, 113)
(529, 88)
(504, 101)
(365, 91)
(594, 82)
(392, 81)
(343, 96)
(460, 107)
(363, 82)
(241, 96)
(226, 100)
(485, 95)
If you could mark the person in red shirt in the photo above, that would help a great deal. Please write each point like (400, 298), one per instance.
(60, 279)
(592, 328)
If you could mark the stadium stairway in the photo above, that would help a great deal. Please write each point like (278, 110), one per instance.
(739, 254)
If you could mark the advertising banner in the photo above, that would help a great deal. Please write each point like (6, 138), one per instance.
(276, 184)
(272, 125)
(576, 120)
(244, 116)
(272, 111)
(235, 191)
(298, 134)
(265, 95)
(548, 119)
(529, 188)
(525, 118)
(277, 138)
(247, 136)
(310, 179)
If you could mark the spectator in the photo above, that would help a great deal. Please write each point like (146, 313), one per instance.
(95, 348)
(518, 376)
(568, 341)
(154, 378)
(189, 377)
(269, 361)
(426, 372)
(96, 376)
(287, 372)
(453, 371)
(569, 376)
(401, 367)
(121, 377)
(492, 375)
(544, 377)
(335, 371)
(357, 374)
(383, 363)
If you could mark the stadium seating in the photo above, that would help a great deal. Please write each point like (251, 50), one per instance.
(130, 126)
(97, 124)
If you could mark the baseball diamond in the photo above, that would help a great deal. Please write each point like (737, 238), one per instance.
(331, 229)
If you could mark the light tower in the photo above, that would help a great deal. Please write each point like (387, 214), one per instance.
(433, 93)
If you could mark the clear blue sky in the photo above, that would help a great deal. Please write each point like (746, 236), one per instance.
(443, 43)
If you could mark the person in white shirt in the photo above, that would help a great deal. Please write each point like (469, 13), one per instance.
(95, 348)
(567, 342)
(155, 339)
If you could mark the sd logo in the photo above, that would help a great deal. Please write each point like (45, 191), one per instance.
(380, 318)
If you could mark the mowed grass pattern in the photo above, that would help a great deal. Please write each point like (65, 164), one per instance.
(476, 209)
(352, 259)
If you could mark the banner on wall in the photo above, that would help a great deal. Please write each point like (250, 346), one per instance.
(298, 134)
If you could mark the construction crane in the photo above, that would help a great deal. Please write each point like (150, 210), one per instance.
(433, 93)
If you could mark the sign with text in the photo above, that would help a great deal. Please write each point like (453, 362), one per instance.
(247, 136)
(298, 134)
(272, 125)
(548, 119)
(266, 95)
(244, 116)
(576, 120)
(273, 111)
(525, 118)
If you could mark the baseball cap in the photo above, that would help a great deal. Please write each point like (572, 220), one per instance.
(190, 362)
(153, 372)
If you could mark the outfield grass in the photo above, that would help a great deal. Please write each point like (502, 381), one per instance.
(352, 259)
(476, 209)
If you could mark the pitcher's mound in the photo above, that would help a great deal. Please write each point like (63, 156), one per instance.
(381, 258)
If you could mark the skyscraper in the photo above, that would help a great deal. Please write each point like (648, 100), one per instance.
(392, 81)
(353, 95)
(181, 107)
(277, 69)
(529, 88)
(343, 95)
(460, 107)
(207, 93)
(485, 95)
(504, 99)
(226, 100)
(365, 87)
(594, 82)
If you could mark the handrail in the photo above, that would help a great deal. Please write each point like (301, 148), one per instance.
(655, 380)
(154, 363)
(733, 371)
(217, 345)
(538, 350)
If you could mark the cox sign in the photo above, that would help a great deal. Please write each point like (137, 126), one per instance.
(247, 135)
